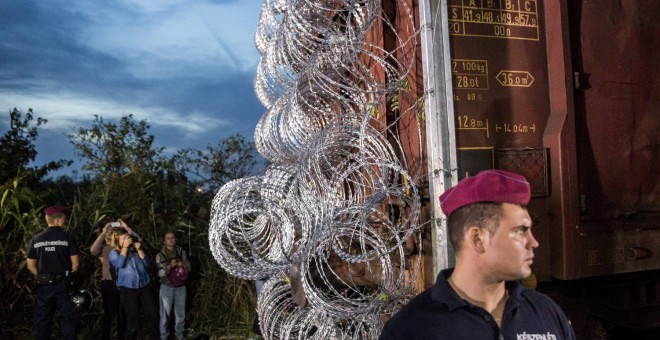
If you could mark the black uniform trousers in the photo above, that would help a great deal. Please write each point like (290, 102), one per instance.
(49, 298)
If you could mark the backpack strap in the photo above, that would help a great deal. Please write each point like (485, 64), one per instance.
(178, 255)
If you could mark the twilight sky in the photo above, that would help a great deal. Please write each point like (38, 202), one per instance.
(185, 66)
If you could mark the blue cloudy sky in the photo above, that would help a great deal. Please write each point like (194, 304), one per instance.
(185, 66)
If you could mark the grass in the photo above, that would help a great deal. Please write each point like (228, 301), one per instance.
(219, 304)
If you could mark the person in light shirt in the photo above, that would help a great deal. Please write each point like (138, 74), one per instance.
(131, 263)
(109, 290)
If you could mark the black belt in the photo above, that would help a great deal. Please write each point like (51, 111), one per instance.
(50, 279)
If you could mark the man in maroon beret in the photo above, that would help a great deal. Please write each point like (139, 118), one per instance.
(481, 297)
(52, 259)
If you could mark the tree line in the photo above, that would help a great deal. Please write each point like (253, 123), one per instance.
(124, 176)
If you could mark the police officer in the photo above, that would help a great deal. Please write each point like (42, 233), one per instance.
(52, 258)
(481, 297)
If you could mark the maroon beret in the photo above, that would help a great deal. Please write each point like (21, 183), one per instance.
(55, 210)
(486, 186)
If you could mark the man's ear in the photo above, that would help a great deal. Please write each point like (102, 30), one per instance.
(475, 238)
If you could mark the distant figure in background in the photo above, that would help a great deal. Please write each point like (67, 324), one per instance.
(52, 257)
(172, 291)
(482, 298)
(131, 263)
(109, 290)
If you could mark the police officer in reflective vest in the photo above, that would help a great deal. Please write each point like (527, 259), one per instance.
(52, 258)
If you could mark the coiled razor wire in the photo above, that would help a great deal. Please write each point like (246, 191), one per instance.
(332, 219)
(281, 318)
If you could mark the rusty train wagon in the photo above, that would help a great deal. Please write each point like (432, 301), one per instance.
(566, 93)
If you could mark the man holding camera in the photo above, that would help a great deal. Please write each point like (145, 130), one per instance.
(131, 263)
(52, 258)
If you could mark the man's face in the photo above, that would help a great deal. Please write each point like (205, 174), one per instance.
(170, 240)
(510, 250)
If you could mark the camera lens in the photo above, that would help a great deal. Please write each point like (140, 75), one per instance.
(132, 244)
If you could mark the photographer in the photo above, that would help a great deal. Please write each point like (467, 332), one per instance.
(171, 259)
(109, 290)
(131, 263)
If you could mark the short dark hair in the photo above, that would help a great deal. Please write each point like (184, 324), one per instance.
(169, 231)
(482, 214)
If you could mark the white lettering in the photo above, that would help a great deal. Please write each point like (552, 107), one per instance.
(51, 243)
(525, 336)
(49, 249)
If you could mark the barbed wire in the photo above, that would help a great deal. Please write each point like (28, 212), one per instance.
(334, 216)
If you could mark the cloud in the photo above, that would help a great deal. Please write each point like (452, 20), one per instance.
(186, 67)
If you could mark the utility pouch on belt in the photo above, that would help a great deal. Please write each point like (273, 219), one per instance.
(45, 279)
(52, 279)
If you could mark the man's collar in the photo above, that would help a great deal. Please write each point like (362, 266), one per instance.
(443, 294)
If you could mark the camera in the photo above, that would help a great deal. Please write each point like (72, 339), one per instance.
(116, 227)
(132, 245)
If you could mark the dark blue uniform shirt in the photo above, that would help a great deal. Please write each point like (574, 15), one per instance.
(439, 313)
(53, 248)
